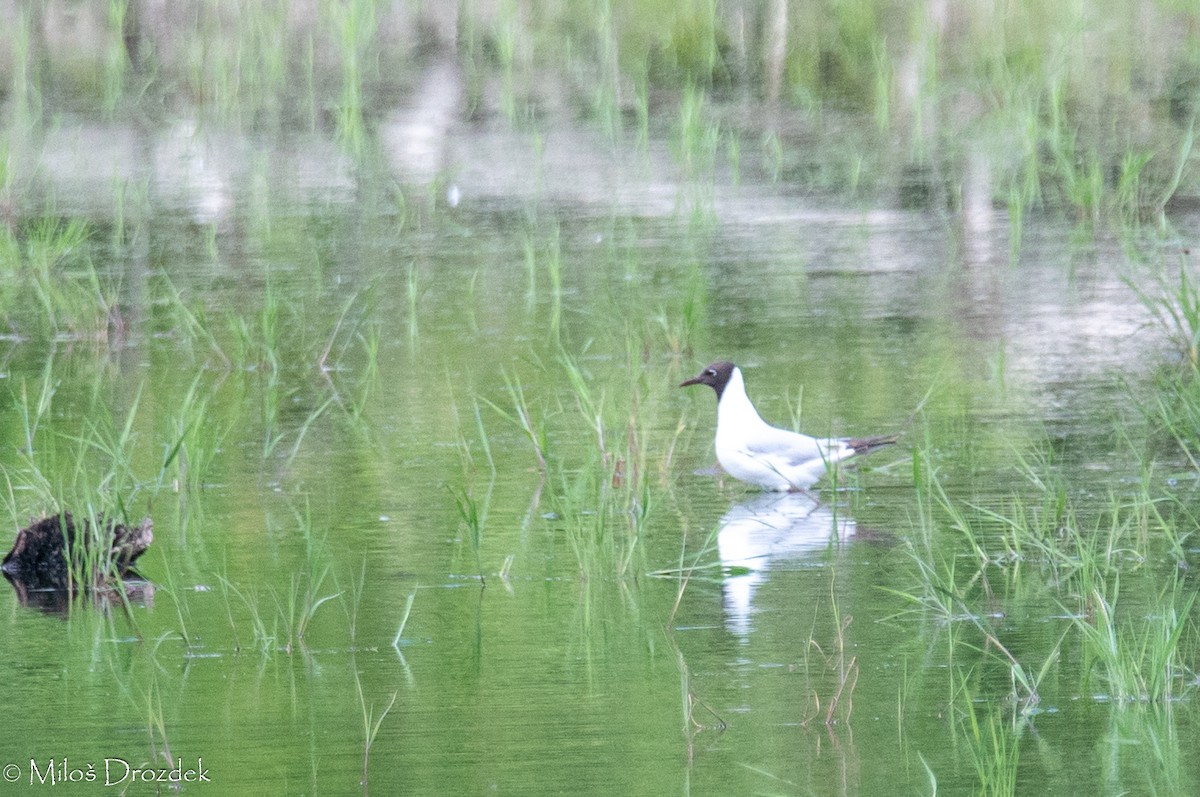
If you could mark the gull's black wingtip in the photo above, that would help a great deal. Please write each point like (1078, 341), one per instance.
(865, 445)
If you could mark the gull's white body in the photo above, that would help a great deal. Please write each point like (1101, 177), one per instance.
(753, 451)
(750, 449)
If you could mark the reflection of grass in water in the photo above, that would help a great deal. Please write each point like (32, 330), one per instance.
(1152, 730)
(145, 698)
(278, 618)
(236, 60)
(838, 703)
(1027, 74)
(156, 727)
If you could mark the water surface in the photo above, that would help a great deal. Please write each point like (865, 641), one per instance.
(411, 437)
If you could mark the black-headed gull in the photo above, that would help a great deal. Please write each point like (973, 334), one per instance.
(753, 451)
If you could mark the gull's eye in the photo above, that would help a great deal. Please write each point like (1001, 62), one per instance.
(711, 372)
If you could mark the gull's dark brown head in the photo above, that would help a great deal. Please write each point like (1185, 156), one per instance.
(715, 376)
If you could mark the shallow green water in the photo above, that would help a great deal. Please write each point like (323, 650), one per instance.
(432, 517)
(577, 668)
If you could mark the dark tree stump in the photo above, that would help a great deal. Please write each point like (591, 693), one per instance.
(41, 553)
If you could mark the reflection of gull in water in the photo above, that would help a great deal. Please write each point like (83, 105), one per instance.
(770, 528)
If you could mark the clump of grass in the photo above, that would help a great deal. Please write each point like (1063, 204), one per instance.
(53, 287)
(603, 534)
(1174, 405)
(950, 594)
(265, 640)
(354, 24)
(995, 748)
(354, 337)
(285, 629)
(1172, 184)
(371, 725)
(258, 344)
(840, 702)
(606, 92)
(187, 321)
(116, 57)
(680, 324)
(299, 605)
(1139, 659)
(93, 463)
(603, 491)
(1077, 168)
(87, 473)
(183, 610)
(524, 419)
(507, 39)
(194, 442)
(695, 148)
(1142, 659)
(27, 77)
(616, 482)
(548, 258)
(1174, 304)
(943, 594)
(473, 514)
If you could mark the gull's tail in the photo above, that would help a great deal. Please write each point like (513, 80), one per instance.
(865, 445)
